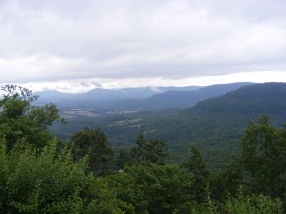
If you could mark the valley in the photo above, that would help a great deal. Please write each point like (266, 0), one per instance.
(215, 125)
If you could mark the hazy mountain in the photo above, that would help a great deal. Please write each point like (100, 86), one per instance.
(174, 88)
(51, 96)
(177, 99)
(138, 99)
(184, 99)
(102, 97)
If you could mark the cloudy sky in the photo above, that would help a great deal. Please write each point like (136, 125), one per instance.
(74, 45)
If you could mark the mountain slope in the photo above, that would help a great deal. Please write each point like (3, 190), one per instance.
(267, 98)
(229, 114)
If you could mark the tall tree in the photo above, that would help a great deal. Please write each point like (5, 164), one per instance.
(201, 173)
(95, 144)
(145, 152)
(263, 157)
(21, 121)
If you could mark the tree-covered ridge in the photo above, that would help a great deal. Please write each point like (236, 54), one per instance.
(80, 176)
(266, 98)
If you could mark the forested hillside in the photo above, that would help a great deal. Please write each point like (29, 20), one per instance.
(267, 98)
(41, 174)
(215, 125)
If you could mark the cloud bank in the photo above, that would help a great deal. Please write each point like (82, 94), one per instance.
(71, 40)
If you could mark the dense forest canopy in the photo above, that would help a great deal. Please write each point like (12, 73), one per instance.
(42, 174)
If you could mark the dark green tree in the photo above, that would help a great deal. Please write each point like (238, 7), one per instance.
(145, 152)
(227, 181)
(154, 188)
(20, 121)
(201, 173)
(196, 164)
(93, 143)
(263, 158)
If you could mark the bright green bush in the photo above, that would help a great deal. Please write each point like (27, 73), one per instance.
(255, 205)
(45, 182)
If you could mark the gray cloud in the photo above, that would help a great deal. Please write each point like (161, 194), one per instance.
(71, 39)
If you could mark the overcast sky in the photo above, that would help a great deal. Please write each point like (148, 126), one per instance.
(73, 45)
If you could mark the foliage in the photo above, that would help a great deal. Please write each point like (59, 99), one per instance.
(145, 152)
(47, 183)
(198, 168)
(240, 203)
(45, 179)
(215, 125)
(95, 144)
(226, 182)
(154, 188)
(257, 204)
(20, 121)
(263, 158)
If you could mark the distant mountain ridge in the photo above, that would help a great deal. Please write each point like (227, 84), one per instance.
(100, 94)
(138, 99)
(185, 99)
